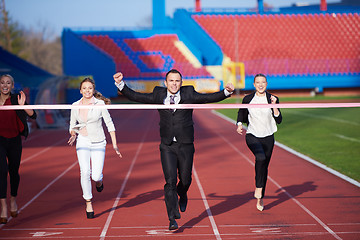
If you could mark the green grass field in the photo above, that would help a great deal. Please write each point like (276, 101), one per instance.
(328, 135)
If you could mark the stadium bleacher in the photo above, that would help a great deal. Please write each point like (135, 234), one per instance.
(288, 44)
(147, 58)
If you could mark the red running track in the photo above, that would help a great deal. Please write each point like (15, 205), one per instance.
(302, 202)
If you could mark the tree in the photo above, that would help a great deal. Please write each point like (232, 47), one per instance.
(37, 47)
(11, 37)
(43, 50)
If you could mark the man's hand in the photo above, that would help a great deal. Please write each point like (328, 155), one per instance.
(229, 87)
(118, 77)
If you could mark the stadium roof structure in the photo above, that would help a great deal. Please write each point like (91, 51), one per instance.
(24, 73)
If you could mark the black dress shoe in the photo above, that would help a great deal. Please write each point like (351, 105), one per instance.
(183, 203)
(99, 189)
(173, 225)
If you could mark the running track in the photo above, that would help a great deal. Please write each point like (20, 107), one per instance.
(303, 201)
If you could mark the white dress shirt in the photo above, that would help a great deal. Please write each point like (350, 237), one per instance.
(261, 120)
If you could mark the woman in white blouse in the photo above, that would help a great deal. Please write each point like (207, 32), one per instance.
(260, 133)
(86, 128)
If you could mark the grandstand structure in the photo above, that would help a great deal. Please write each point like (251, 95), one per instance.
(288, 44)
(296, 48)
(27, 76)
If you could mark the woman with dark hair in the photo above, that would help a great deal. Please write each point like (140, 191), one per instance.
(13, 125)
(260, 133)
(86, 128)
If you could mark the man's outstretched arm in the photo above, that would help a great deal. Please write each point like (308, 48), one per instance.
(214, 97)
(129, 93)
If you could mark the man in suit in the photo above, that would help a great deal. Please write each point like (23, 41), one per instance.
(176, 132)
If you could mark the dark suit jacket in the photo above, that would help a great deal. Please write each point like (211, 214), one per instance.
(177, 124)
(243, 113)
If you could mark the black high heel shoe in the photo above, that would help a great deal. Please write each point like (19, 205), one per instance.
(89, 215)
(99, 189)
(3, 220)
(14, 214)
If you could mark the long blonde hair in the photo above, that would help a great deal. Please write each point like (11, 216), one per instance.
(97, 94)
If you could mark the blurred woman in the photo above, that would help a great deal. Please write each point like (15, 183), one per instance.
(13, 125)
(260, 133)
(86, 128)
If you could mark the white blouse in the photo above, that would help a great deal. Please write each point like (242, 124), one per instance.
(261, 120)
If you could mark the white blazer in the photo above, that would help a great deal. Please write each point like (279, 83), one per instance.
(93, 123)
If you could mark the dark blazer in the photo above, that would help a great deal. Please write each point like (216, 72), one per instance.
(243, 113)
(22, 114)
(177, 124)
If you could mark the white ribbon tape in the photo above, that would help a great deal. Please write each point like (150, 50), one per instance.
(183, 106)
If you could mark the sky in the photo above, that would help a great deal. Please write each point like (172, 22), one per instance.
(54, 15)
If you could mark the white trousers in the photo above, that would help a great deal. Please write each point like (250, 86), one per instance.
(91, 161)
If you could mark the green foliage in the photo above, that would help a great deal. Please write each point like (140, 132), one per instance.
(15, 32)
(328, 135)
(34, 47)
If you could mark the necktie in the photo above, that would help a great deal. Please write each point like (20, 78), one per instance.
(172, 101)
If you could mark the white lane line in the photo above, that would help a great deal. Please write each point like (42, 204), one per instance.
(42, 151)
(56, 229)
(146, 227)
(278, 234)
(316, 163)
(192, 236)
(271, 225)
(346, 138)
(307, 210)
(283, 190)
(300, 155)
(44, 189)
(50, 147)
(343, 224)
(323, 117)
(208, 211)
(118, 197)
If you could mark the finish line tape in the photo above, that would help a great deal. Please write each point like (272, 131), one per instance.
(183, 106)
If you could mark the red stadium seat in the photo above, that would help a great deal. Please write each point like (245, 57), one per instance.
(310, 39)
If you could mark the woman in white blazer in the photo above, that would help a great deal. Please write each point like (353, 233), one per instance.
(86, 128)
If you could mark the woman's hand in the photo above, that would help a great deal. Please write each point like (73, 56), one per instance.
(72, 138)
(21, 98)
(21, 101)
(239, 129)
(117, 151)
(118, 77)
(273, 99)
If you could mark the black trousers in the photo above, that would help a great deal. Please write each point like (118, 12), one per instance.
(176, 158)
(262, 148)
(10, 156)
